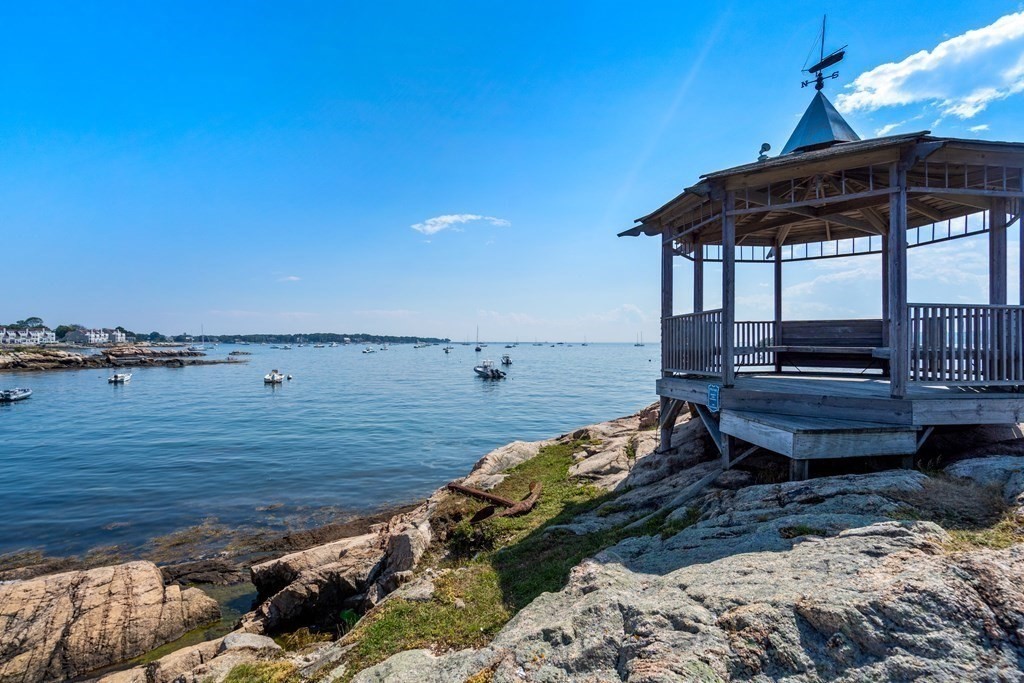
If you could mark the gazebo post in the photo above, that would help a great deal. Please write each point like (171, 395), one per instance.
(997, 252)
(666, 313)
(728, 289)
(885, 290)
(777, 329)
(896, 290)
(698, 276)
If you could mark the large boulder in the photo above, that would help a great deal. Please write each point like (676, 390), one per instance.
(58, 627)
(1003, 473)
(803, 581)
(315, 584)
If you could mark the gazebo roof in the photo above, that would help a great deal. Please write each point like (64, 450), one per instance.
(841, 191)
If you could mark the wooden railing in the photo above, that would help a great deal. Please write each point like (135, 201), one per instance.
(692, 343)
(752, 338)
(980, 345)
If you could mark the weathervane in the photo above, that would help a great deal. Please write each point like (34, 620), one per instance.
(824, 62)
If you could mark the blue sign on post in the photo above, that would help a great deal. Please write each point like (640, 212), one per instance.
(713, 402)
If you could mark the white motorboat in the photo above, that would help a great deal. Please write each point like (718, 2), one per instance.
(506, 360)
(286, 348)
(487, 370)
(318, 346)
(120, 378)
(15, 394)
(420, 345)
(273, 377)
(332, 345)
(369, 349)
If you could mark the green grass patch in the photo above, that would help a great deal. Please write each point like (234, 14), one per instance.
(497, 567)
(975, 516)
(263, 672)
(1006, 532)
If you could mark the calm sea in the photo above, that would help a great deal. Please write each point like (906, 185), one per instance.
(84, 463)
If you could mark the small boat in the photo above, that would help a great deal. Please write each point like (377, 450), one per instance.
(487, 370)
(420, 345)
(332, 345)
(196, 349)
(15, 394)
(639, 340)
(506, 360)
(120, 378)
(285, 348)
(369, 349)
(384, 347)
(318, 346)
(240, 353)
(509, 346)
(273, 377)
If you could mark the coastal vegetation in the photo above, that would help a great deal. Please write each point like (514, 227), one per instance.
(483, 574)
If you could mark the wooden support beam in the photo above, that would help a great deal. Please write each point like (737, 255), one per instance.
(728, 289)
(729, 450)
(698, 277)
(897, 283)
(667, 415)
(798, 470)
(777, 266)
(667, 282)
(925, 210)
(711, 424)
(997, 252)
(885, 290)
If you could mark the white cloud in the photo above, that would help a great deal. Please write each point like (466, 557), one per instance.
(289, 278)
(978, 128)
(960, 76)
(888, 128)
(434, 225)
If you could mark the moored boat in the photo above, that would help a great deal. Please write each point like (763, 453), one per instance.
(273, 377)
(506, 360)
(120, 378)
(487, 370)
(15, 394)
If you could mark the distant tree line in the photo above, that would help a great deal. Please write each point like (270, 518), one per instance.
(61, 331)
(313, 338)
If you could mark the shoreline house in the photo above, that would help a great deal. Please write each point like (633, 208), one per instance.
(33, 336)
(820, 389)
(87, 336)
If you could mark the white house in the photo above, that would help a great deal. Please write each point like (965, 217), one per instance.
(115, 336)
(34, 336)
(87, 337)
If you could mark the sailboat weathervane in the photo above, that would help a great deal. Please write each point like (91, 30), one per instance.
(824, 62)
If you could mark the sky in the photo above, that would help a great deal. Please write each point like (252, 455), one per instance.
(425, 169)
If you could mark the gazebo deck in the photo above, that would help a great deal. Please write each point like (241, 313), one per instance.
(821, 416)
(854, 398)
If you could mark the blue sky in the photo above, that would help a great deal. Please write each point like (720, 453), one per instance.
(424, 168)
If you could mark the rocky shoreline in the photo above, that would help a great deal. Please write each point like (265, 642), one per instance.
(35, 359)
(643, 573)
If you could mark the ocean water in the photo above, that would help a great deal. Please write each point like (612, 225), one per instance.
(85, 464)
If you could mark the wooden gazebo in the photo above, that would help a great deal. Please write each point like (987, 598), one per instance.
(838, 388)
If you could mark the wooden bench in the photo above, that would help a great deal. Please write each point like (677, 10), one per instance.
(831, 344)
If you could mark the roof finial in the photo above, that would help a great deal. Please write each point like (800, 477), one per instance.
(824, 62)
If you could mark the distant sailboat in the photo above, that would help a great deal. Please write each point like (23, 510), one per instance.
(639, 340)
